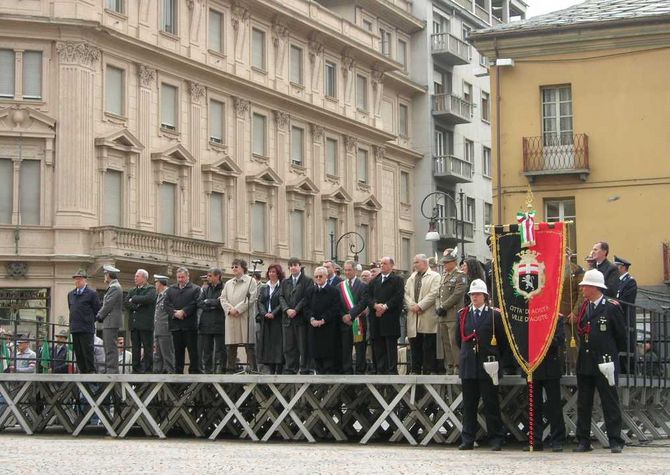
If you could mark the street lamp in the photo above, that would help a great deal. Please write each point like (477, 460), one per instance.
(433, 235)
(354, 247)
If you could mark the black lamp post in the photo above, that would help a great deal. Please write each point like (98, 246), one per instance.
(432, 234)
(354, 247)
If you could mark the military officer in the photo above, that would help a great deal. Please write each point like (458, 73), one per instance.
(626, 295)
(478, 324)
(450, 298)
(163, 347)
(602, 336)
(111, 317)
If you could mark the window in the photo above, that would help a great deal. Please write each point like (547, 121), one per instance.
(215, 31)
(441, 82)
(331, 157)
(32, 74)
(563, 210)
(362, 166)
(114, 86)
(7, 73)
(470, 210)
(488, 217)
(258, 135)
(406, 247)
(169, 106)
(297, 231)
(6, 190)
(486, 107)
(331, 235)
(404, 187)
(466, 32)
(330, 76)
(115, 5)
(216, 121)
(483, 61)
(467, 92)
(557, 116)
(296, 65)
(112, 213)
(469, 151)
(364, 230)
(167, 194)
(169, 16)
(403, 120)
(258, 228)
(440, 23)
(258, 49)
(361, 92)
(297, 146)
(386, 41)
(401, 54)
(29, 195)
(486, 162)
(217, 218)
(444, 142)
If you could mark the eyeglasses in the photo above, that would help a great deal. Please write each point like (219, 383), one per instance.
(234, 267)
(319, 276)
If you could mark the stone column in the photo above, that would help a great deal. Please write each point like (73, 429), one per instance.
(348, 74)
(378, 89)
(283, 166)
(238, 215)
(195, 138)
(316, 50)
(351, 146)
(146, 212)
(280, 35)
(240, 18)
(317, 169)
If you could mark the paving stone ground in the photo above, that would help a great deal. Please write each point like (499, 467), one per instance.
(98, 454)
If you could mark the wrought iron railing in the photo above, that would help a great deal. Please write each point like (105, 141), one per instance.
(556, 152)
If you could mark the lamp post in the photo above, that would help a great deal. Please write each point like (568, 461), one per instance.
(432, 234)
(354, 246)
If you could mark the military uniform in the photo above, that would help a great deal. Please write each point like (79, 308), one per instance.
(602, 336)
(141, 302)
(626, 295)
(450, 298)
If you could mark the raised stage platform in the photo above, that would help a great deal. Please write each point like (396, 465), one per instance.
(418, 410)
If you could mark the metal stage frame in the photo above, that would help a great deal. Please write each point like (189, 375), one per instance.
(412, 409)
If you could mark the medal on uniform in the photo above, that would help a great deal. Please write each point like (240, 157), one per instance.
(603, 325)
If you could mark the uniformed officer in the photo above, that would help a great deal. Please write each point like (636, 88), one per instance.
(478, 324)
(626, 295)
(111, 317)
(449, 301)
(602, 336)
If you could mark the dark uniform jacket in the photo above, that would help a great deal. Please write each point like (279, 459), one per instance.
(59, 359)
(274, 301)
(83, 309)
(294, 297)
(391, 293)
(142, 307)
(360, 294)
(185, 299)
(323, 304)
(601, 333)
(212, 319)
(627, 291)
(476, 351)
(551, 368)
(335, 281)
(611, 274)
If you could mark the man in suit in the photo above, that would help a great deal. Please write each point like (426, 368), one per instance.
(478, 324)
(333, 279)
(449, 301)
(607, 269)
(111, 317)
(181, 305)
(626, 295)
(211, 325)
(386, 293)
(421, 291)
(59, 362)
(141, 303)
(163, 345)
(292, 300)
(602, 336)
(83, 303)
(354, 300)
(322, 311)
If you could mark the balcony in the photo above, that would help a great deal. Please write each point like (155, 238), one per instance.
(450, 50)
(451, 169)
(450, 231)
(452, 109)
(556, 154)
(148, 246)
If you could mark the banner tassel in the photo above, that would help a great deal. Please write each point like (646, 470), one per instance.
(573, 342)
(531, 413)
(494, 341)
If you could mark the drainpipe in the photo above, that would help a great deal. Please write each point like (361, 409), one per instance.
(498, 162)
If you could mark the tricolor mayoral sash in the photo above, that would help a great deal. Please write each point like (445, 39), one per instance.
(529, 278)
(357, 326)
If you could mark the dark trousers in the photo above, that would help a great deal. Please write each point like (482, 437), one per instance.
(324, 365)
(294, 343)
(142, 340)
(423, 348)
(213, 352)
(552, 409)
(82, 344)
(473, 389)
(586, 386)
(386, 354)
(347, 345)
(183, 340)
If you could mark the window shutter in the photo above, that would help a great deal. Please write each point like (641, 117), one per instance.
(216, 121)
(216, 217)
(114, 90)
(297, 227)
(167, 196)
(258, 227)
(169, 106)
(112, 198)
(29, 191)
(6, 190)
(215, 21)
(7, 73)
(296, 145)
(331, 157)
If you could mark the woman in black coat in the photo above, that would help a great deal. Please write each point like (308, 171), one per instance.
(269, 350)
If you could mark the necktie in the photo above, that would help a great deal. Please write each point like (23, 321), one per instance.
(295, 281)
(477, 315)
(383, 279)
(351, 283)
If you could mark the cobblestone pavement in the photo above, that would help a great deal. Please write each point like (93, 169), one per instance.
(96, 454)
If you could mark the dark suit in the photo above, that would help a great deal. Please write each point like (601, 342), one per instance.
(294, 337)
(611, 274)
(602, 336)
(475, 350)
(211, 330)
(334, 281)
(184, 331)
(547, 376)
(627, 294)
(83, 308)
(385, 330)
(142, 309)
(359, 292)
(59, 359)
(323, 304)
(269, 349)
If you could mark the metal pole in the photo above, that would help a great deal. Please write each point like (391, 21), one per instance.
(332, 245)
(462, 220)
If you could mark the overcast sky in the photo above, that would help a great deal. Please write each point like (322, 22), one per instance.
(539, 7)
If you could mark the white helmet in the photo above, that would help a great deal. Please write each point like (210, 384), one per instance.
(594, 278)
(478, 286)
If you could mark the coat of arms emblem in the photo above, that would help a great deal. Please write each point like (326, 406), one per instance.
(528, 277)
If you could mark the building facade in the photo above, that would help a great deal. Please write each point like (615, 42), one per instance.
(583, 123)
(157, 134)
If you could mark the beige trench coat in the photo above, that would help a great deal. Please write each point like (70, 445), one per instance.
(234, 295)
(425, 322)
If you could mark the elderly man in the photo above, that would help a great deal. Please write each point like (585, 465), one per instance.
(163, 346)
(111, 317)
(607, 269)
(450, 300)
(323, 310)
(141, 303)
(237, 299)
(354, 301)
(421, 291)
(59, 362)
(181, 304)
(25, 358)
(211, 328)
(84, 304)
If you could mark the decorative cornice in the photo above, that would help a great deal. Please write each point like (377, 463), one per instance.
(281, 118)
(240, 13)
(70, 52)
(279, 32)
(377, 76)
(317, 132)
(191, 3)
(316, 49)
(350, 143)
(348, 63)
(146, 75)
(380, 151)
(241, 106)
(197, 91)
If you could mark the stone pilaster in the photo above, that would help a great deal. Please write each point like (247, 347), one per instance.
(197, 207)
(146, 80)
(242, 149)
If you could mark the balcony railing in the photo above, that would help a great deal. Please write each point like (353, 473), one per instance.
(452, 109)
(450, 48)
(556, 154)
(449, 228)
(452, 169)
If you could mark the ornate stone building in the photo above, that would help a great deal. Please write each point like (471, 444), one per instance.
(159, 133)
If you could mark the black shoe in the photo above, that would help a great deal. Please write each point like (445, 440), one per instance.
(583, 447)
(616, 448)
(496, 448)
(557, 448)
(465, 446)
